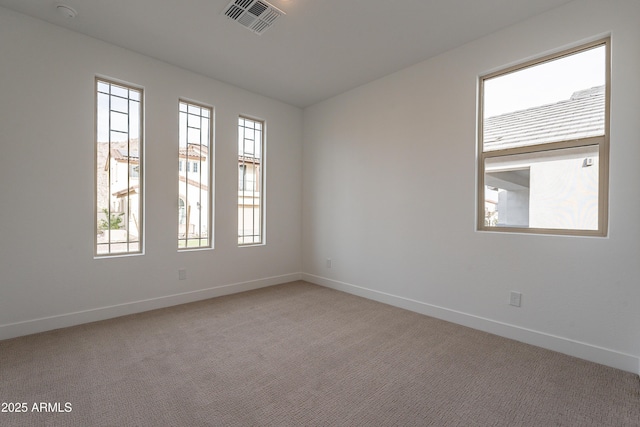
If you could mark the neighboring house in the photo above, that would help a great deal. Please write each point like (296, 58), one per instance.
(249, 213)
(525, 190)
(125, 183)
(193, 199)
(193, 191)
(119, 191)
(119, 183)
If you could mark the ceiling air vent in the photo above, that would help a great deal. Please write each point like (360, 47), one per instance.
(256, 15)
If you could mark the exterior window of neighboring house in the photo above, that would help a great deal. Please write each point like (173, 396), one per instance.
(250, 182)
(242, 171)
(544, 145)
(182, 212)
(194, 183)
(119, 163)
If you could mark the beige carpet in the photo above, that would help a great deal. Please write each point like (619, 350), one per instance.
(302, 355)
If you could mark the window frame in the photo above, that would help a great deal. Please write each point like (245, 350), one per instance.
(189, 170)
(258, 182)
(141, 160)
(602, 142)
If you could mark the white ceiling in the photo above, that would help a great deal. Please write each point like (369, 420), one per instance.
(319, 49)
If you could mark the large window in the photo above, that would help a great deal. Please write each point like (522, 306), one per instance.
(119, 163)
(250, 182)
(543, 145)
(194, 180)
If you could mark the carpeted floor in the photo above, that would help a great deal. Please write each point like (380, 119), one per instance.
(301, 355)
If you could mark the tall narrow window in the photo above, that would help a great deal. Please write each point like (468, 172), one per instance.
(250, 182)
(119, 163)
(194, 181)
(544, 144)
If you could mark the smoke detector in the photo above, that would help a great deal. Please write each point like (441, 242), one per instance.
(255, 15)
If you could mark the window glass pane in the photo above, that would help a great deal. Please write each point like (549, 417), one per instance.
(103, 87)
(193, 135)
(555, 189)
(249, 182)
(194, 198)
(118, 136)
(134, 95)
(119, 104)
(119, 91)
(193, 120)
(118, 173)
(132, 227)
(543, 145)
(102, 119)
(558, 100)
(206, 126)
(134, 119)
(182, 139)
(119, 122)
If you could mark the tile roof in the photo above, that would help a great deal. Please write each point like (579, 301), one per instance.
(121, 154)
(194, 151)
(580, 116)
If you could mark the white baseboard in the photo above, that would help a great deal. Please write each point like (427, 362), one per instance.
(28, 327)
(603, 356)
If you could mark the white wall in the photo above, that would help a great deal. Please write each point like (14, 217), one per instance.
(48, 276)
(406, 235)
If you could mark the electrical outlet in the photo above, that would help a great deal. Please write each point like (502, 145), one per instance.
(182, 274)
(328, 262)
(515, 299)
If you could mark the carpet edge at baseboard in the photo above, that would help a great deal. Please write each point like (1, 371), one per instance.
(33, 326)
(582, 350)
